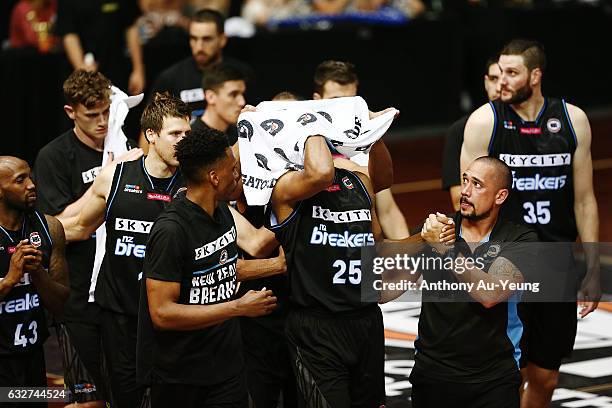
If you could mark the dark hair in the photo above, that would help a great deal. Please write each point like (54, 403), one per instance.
(215, 77)
(503, 174)
(490, 61)
(163, 105)
(86, 88)
(210, 16)
(287, 96)
(200, 149)
(532, 52)
(341, 72)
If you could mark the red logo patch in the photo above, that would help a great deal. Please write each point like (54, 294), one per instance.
(159, 197)
(11, 250)
(531, 131)
(333, 187)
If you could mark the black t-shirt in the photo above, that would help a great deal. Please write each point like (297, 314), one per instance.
(23, 326)
(100, 25)
(451, 156)
(462, 341)
(231, 132)
(188, 246)
(322, 240)
(184, 80)
(540, 155)
(136, 201)
(64, 169)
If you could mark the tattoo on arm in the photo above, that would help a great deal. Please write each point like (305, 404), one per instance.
(503, 269)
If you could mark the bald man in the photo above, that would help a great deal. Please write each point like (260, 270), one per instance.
(33, 275)
(468, 343)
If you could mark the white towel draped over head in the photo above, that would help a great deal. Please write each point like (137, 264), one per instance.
(272, 139)
(115, 143)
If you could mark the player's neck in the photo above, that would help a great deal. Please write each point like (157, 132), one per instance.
(477, 230)
(210, 64)
(212, 120)
(96, 144)
(530, 109)
(10, 219)
(203, 197)
(156, 167)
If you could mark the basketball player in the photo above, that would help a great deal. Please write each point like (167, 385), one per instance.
(547, 144)
(33, 275)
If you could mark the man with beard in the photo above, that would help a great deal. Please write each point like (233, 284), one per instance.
(184, 79)
(547, 144)
(467, 352)
(33, 275)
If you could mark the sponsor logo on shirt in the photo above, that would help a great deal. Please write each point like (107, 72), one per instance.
(344, 240)
(536, 160)
(553, 125)
(214, 246)
(35, 239)
(124, 224)
(125, 247)
(11, 249)
(84, 388)
(192, 95)
(340, 217)
(531, 131)
(28, 302)
(509, 125)
(132, 188)
(159, 197)
(90, 175)
(333, 188)
(538, 182)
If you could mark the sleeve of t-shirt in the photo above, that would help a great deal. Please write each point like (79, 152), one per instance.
(165, 254)
(53, 182)
(65, 23)
(452, 154)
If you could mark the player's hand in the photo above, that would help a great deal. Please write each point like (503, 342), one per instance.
(382, 112)
(589, 294)
(24, 253)
(136, 82)
(257, 303)
(130, 155)
(248, 108)
(438, 230)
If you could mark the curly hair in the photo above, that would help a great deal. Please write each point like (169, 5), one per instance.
(163, 105)
(200, 149)
(86, 88)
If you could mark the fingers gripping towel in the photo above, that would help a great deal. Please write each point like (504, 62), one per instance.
(272, 139)
(115, 143)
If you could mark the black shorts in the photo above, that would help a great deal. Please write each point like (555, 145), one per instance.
(548, 334)
(338, 359)
(84, 385)
(119, 349)
(24, 370)
(231, 393)
(269, 372)
(500, 393)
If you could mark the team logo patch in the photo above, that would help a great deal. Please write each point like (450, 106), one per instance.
(245, 129)
(553, 125)
(333, 188)
(272, 126)
(35, 239)
(223, 257)
(159, 197)
(347, 182)
(509, 125)
(492, 251)
(132, 188)
(306, 118)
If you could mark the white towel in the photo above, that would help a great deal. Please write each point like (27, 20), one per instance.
(272, 139)
(115, 143)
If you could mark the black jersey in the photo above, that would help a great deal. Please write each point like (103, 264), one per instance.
(540, 155)
(136, 200)
(231, 133)
(188, 246)
(461, 340)
(23, 326)
(322, 240)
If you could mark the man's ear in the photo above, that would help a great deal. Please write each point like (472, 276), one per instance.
(70, 112)
(213, 177)
(536, 77)
(149, 135)
(316, 96)
(223, 40)
(210, 96)
(501, 196)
